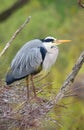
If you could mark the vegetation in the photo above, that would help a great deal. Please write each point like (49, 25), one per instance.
(61, 19)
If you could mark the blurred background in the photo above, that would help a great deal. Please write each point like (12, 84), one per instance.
(62, 19)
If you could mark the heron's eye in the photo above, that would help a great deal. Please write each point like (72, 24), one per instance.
(52, 46)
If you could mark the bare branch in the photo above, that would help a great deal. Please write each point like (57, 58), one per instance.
(80, 3)
(14, 35)
(8, 12)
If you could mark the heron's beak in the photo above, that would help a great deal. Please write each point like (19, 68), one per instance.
(58, 42)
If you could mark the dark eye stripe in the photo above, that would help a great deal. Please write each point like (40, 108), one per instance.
(47, 40)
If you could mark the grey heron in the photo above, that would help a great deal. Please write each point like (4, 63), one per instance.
(34, 56)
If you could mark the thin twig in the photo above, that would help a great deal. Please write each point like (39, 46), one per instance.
(14, 35)
(71, 95)
(70, 79)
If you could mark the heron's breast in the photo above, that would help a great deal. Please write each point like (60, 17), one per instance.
(49, 60)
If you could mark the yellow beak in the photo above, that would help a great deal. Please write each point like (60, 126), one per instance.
(57, 42)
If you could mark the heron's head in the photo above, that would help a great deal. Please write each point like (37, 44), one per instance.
(53, 42)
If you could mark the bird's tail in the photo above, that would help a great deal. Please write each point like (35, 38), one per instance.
(9, 78)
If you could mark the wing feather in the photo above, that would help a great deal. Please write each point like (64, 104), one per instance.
(27, 63)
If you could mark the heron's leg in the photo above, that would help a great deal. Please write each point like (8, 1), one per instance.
(34, 90)
(27, 83)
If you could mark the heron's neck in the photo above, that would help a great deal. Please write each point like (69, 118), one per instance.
(52, 50)
(50, 57)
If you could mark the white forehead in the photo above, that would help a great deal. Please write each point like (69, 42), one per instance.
(49, 37)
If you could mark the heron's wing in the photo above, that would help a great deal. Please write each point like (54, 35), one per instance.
(26, 63)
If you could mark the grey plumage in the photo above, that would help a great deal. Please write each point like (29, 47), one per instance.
(27, 61)
(31, 59)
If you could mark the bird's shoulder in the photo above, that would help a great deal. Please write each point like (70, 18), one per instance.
(32, 44)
